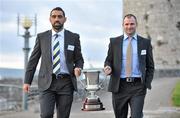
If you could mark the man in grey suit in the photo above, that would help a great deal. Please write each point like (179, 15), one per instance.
(130, 63)
(61, 63)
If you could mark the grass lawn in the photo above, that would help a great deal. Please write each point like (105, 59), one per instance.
(176, 95)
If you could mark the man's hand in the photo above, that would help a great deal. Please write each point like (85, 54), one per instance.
(26, 87)
(77, 72)
(107, 70)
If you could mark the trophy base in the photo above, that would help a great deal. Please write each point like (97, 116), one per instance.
(92, 105)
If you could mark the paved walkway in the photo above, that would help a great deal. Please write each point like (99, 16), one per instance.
(157, 104)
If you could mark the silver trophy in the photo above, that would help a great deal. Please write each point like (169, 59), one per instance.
(92, 102)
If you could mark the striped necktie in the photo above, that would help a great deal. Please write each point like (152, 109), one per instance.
(129, 58)
(56, 55)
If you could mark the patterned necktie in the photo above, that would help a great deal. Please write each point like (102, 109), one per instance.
(56, 55)
(129, 58)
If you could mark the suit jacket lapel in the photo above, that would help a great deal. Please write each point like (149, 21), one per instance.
(139, 46)
(49, 45)
(66, 39)
(120, 48)
(118, 51)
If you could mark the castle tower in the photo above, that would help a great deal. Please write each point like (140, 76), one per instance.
(159, 20)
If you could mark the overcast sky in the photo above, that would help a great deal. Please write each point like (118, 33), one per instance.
(95, 20)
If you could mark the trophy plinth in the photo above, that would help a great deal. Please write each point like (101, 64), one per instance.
(92, 102)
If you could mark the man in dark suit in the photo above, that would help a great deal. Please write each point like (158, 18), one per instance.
(61, 63)
(130, 63)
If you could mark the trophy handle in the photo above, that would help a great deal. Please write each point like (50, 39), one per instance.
(101, 83)
(79, 78)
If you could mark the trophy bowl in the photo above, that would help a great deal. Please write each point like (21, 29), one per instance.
(92, 102)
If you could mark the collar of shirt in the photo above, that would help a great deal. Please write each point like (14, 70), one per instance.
(61, 33)
(126, 36)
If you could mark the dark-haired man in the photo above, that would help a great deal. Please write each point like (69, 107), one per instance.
(61, 63)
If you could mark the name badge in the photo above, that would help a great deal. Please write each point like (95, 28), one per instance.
(143, 52)
(70, 47)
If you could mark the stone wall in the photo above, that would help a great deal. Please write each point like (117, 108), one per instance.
(159, 20)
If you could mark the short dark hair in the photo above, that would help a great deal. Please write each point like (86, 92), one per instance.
(130, 15)
(58, 9)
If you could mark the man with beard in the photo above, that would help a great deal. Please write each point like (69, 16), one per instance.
(61, 63)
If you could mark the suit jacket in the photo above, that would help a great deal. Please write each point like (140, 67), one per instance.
(114, 60)
(42, 49)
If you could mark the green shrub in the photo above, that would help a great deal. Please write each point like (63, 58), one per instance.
(176, 95)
